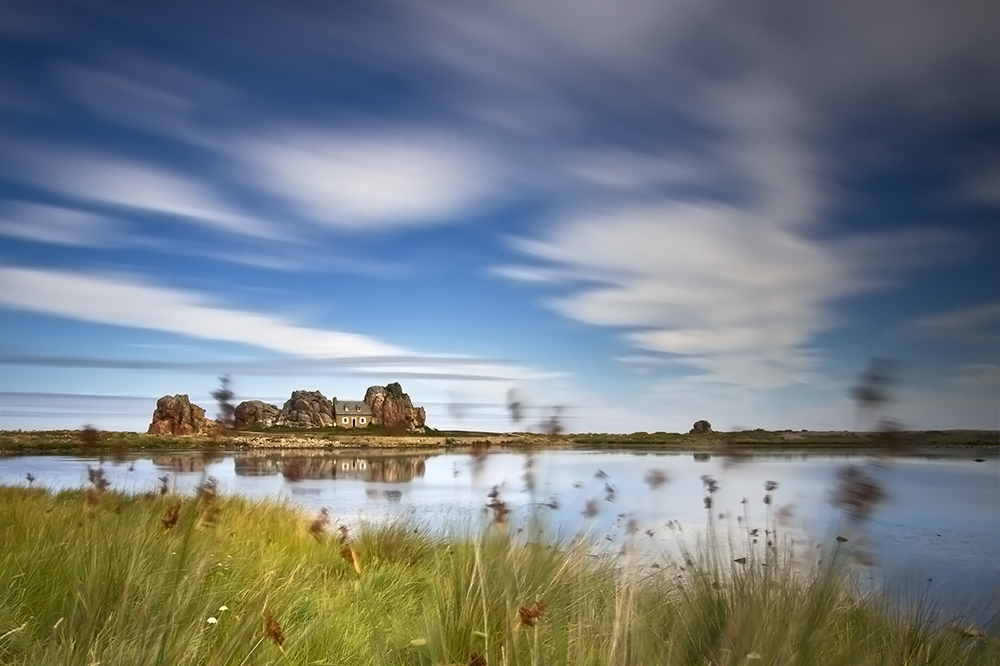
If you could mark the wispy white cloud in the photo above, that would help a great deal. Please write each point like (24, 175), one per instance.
(979, 378)
(149, 97)
(122, 301)
(971, 322)
(736, 292)
(619, 169)
(700, 281)
(55, 224)
(371, 180)
(983, 186)
(129, 185)
(527, 274)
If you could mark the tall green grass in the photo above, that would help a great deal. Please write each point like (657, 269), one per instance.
(102, 578)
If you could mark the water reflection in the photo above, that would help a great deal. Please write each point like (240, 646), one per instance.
(394, 469)
(185, 462)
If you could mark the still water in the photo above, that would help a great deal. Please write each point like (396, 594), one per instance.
(934, 532)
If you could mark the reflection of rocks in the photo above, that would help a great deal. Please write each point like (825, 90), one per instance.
(395, 469)
(306, 409)
(256, 466)
(177, 415)
(255, 413)
(193, 463)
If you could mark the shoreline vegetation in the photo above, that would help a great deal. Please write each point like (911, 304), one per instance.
(13, 442)
(96, 576)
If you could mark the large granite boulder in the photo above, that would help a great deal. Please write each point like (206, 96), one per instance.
(255, 413)
(177, 415)
(393, 409)
(306, 409)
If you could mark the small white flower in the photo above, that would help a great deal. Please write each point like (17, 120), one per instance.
(212, 620)
(222, 608)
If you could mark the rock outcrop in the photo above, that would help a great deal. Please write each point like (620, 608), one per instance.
(255, 413)
(306, 409)
(700, 428)
(393, 409)
(177, 415)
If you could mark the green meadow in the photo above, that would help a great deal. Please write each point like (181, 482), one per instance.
(95, 577)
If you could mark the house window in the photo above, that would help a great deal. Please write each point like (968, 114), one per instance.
(362, 420)
(346, 420)
(358, 407)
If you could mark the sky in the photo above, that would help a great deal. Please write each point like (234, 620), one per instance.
(632, 215)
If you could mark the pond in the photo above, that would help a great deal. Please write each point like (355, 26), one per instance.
(923, 525)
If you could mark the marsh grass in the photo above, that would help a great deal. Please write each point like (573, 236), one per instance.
(730, 445)
(111, 582)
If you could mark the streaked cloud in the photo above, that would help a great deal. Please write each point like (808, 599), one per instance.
(371, 180)
(128, 184)
(978, 377)
(147, 96)
(121, 301)
(619, 169)
(529, 274)
(980, 321)
(725, 288)
(984, 185)
(55, 224)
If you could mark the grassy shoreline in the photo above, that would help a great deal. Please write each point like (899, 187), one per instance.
(94, 576)
(31, 441)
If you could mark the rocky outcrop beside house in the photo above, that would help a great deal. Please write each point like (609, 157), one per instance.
(306, 409)
(255, 413)
(177, 415)
(393, 409)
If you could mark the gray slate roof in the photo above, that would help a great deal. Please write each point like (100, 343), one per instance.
(351, 408)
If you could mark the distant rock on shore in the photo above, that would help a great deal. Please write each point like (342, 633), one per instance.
(177, 415)
(700, 428)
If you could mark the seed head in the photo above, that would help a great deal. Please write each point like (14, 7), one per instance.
(273, 631)
(171, 516)
(318, 526)
(528, 615)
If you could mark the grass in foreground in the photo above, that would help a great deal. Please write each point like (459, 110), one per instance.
(97, 577)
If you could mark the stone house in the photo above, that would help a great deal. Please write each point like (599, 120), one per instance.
(351, 413)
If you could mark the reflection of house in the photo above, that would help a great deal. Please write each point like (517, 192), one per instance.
(351, 413)
(392, 469)
(356, 468)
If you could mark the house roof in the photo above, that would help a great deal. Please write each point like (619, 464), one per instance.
(351, 408)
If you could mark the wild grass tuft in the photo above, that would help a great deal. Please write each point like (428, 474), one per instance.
(150, 580)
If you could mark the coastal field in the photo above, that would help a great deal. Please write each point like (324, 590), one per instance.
(35, 441)
(92, 576)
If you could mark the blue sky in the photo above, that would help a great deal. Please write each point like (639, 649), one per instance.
(644, 214)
